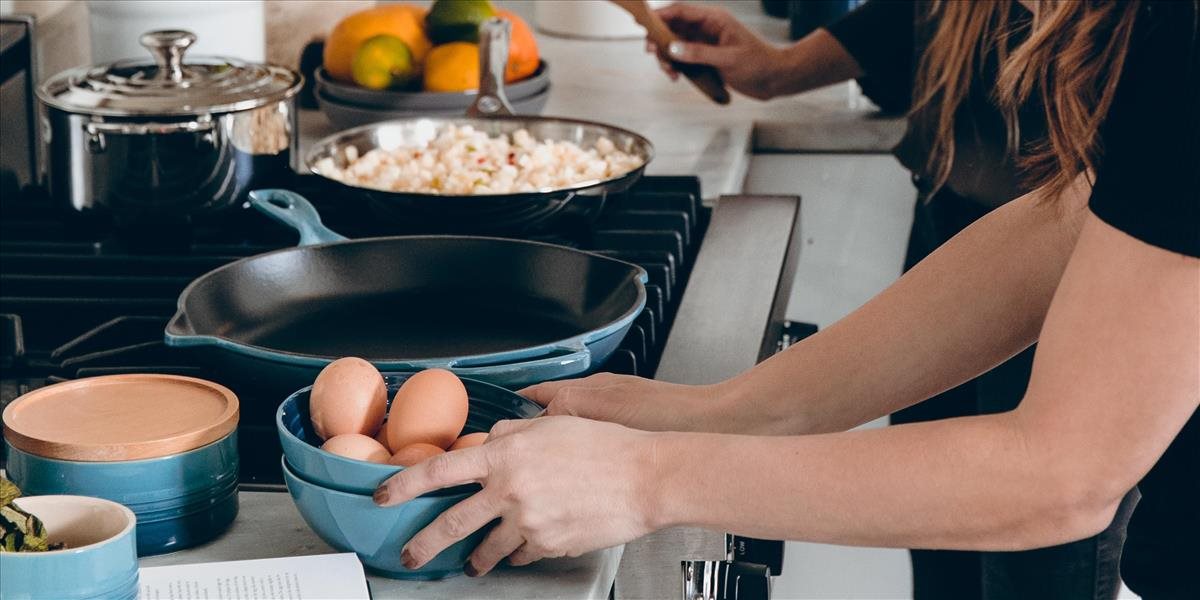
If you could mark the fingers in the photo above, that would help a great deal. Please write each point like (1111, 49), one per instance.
(456, 523)
(524, 555)
(501, 541)
(543, 393)
(695, 22)
(662, 64)
(704, 54)
(508, 427)
(444, 470)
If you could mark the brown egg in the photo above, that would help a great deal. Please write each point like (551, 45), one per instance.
(414, 453)
(469, 441)
(349, 396)
(358, 447)
(430, 407)
(381, 436)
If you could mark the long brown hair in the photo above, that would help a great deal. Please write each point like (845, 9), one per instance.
(1072, 59)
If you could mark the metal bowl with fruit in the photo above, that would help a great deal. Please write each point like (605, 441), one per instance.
(401, 60)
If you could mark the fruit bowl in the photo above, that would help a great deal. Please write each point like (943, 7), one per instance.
(413, 102)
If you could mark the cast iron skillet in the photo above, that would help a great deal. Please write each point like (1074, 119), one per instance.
(509, 312)
(494, 214)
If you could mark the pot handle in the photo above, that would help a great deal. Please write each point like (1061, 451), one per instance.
(293, 210)
(494, 35)
(202, 123)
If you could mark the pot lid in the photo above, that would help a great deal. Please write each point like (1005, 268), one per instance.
(169, 86)
(120, 417)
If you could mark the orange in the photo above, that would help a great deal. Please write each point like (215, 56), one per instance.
(522, 49)
(452, 67)
(401, 20)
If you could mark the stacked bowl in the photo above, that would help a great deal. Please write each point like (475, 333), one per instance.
(348, 105)
(333, 493)
(164, 446)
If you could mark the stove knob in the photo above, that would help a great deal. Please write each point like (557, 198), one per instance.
(725, 580)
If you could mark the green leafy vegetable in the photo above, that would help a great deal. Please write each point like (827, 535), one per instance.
(19, 530)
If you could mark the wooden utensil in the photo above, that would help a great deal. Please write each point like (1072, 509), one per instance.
(120, 417)
(703, 76)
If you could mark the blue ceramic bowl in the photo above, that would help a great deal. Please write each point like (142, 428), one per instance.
(301, 445)
(180, 500)
(100, 560)
(353, 523)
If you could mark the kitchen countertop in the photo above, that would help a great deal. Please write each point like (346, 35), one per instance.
(268, 526)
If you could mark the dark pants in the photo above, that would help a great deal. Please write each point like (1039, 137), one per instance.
(1086, 569)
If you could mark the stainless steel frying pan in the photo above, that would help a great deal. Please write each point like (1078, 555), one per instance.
(491, 113)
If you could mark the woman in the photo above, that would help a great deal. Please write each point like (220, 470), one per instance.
(958, 181)
(1098, 264)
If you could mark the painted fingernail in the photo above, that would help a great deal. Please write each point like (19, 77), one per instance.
(381, 495)
(406, 559)
(470, 570)
(675, 49)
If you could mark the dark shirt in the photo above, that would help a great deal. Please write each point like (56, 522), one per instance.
(1147, 185)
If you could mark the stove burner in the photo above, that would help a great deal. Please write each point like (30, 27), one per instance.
(79, 298)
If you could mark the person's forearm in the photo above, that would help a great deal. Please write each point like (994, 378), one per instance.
(817, 60)
(970, 305)
(972, 483)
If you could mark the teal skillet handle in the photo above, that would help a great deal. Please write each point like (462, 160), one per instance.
(293, 210)
(578, 362)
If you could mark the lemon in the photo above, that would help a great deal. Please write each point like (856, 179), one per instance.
(384, 62)
(457, 20)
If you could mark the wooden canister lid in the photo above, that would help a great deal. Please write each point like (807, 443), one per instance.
(120, 417)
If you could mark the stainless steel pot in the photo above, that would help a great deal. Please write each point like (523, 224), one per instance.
(167, 140)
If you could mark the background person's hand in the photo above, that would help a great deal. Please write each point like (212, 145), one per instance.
(631, 401)
(712, 36)
(561, 486)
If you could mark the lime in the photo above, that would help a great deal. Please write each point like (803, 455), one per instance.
(457, 20)
(384, 62)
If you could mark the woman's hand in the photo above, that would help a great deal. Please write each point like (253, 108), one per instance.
(632, 401)
(712, 36)
(561, 486)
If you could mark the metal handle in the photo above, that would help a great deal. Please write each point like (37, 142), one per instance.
(494, 35)
(293, 210)
(168, 46)
(202, 123)
(96, 130)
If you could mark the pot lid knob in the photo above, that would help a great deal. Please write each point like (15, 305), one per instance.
(168, 46)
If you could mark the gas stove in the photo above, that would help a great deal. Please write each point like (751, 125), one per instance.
(80, 298)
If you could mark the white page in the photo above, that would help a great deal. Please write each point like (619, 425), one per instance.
(323, 576)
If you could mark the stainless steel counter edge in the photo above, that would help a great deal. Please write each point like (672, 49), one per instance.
(728, 305)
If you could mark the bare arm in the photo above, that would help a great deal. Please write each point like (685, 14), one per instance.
(970, 305)
(1117, 374)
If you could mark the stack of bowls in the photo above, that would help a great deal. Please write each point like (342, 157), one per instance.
(333, 493)
(164, 446)
(99, 561)
(348, 105)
